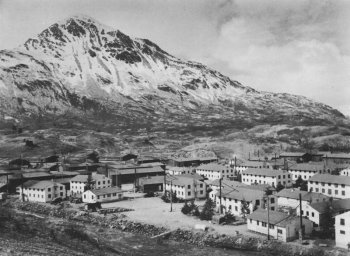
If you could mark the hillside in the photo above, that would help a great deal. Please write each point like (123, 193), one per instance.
(81, 68)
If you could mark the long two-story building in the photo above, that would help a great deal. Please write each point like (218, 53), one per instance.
(330, 185)
(215, 171)
(186, 187)
(41, 191)
(267, 176)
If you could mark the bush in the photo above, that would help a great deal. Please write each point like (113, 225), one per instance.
(186, 209)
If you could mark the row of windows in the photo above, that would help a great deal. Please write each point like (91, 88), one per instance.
(49, 189)
(329, 184)
(42, 196)
(329, 191)
(263, 224)
(212, 171)
(264, 176)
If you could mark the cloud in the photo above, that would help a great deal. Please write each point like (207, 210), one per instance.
(287, 46)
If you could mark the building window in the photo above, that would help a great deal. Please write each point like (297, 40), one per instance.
(343, 193)
(312, 214)
(251, 221)
(336, 192)
(316, 189)
(98, 183)
(49, 196)
(257, 223)
(329, 191)
(272, 226)
(109, 195)
(49, 189)
(189, 193)
(104, 182)
(189, 186)
(342, 232)
(200, 185)
(342, 222)
(323, 190)
(98, 197)
(61, 193)
(114, 194)
(263, 224)
(236, 208)
(279, 231)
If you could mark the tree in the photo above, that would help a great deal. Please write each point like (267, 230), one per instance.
(279, 187)
(300, 183)
(208, 210)
(245, 209)
(327, 221)
(93, 157)
(89, 184)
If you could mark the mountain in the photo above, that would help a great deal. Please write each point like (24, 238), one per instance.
(80, 66)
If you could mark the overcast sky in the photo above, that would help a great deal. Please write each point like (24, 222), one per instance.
(300, 47)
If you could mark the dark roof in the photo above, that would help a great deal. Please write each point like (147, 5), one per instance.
(328, 178)
(305, 195)
(279, 219)
(264, 172)
(292, 154)
(36, 174)
(104, 191)
(336, 205)
(141, 170)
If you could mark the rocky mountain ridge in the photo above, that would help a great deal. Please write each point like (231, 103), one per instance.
(81, 66)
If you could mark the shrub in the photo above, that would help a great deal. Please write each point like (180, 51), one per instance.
(186, 209)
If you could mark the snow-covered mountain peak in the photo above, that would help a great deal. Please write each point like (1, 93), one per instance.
(80, 60)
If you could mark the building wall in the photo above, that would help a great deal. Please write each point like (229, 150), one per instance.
(43, 195)
(284, 179)
(345, 172)
(342, 230)
(89, 197)
(287, 233)
(330, 189)
(305, 175)
(217, 174)
(100, 181)
(188, 191)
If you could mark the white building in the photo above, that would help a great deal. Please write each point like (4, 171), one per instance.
(281, 226)
(214, 171)
(240, 167)
(330, 185)
(319, 210)
(267, 176)
(79, 182)
(232, 199)
(106, 194)
(288, 200)
(186, 188)
(342, 230)
(307, 170)
(41, 191)
(345, 172)
(174, 170)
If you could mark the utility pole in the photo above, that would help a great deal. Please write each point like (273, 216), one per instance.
(171, 195)
(220, 195)
(268, 218)
(275, 161)
(301, 220)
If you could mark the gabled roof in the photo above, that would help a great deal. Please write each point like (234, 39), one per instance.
(338, 155)
(279, 219)
(336, 205)
(141, 170)
(293, 193)
(264, 172)
(104, 191)
(328, 178)
(241, 193)
(313, 167)
(151, 180)
(292, 154)
(213, 167)
(181, 180)
(39, 184)
(80, 178)
(248, 163)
